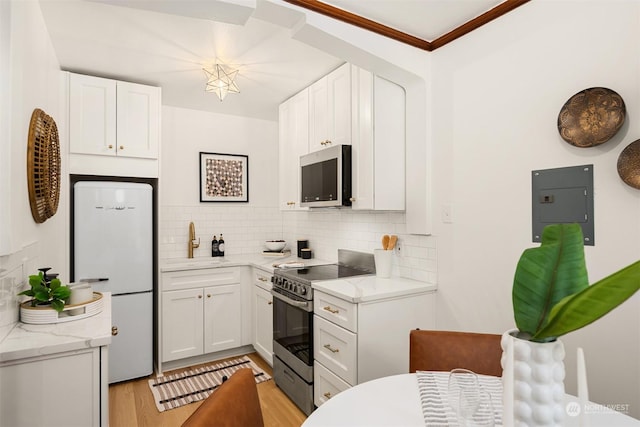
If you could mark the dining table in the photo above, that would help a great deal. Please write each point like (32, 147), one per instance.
(420, 399)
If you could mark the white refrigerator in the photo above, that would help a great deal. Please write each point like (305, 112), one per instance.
(113, 249)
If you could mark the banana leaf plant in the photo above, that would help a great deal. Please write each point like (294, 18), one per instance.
(551, 292)
(44, 292)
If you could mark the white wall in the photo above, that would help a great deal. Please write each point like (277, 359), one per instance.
(498, 92)
(186, 133)
(33, 74)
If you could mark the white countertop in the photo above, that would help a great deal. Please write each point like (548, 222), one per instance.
(26, 340)
(260, 261)
(359, 289)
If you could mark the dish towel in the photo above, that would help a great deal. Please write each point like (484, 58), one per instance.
(433, 388)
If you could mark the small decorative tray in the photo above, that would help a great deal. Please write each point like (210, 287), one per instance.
(277, 254)
(41, 315)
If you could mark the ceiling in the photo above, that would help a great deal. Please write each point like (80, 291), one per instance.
(166, 43)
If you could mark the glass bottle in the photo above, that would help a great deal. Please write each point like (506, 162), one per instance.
(221, 246)
(214, 247)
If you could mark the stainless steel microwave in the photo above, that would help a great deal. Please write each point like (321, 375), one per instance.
(326, 177)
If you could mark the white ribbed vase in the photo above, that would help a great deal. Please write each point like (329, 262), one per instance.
(538, 381)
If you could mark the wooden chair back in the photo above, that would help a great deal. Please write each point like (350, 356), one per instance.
(235, 403)
(447, 350)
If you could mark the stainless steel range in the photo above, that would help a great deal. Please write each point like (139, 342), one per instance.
(293, 321)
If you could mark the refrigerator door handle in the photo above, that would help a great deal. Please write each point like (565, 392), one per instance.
(94, 279)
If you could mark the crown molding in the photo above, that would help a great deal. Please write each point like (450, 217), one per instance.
(362, 22)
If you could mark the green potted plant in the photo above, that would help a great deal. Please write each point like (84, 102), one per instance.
(552, 297)
(47, 292)
(551, 292)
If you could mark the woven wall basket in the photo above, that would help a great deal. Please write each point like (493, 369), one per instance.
(43, 166)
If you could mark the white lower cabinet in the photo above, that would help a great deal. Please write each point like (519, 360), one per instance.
(336, 349)
(263, 316)
(358, 342)
(222, 318)
(182, 324)
(63, 389)
(326, 384)
(203, 319)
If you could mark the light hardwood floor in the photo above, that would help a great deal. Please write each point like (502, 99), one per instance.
(131, 404)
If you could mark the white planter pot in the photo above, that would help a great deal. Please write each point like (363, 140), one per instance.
(534, 390)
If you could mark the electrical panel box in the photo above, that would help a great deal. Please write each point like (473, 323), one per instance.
(563, 195)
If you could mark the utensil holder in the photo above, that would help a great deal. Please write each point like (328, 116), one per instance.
(383, 262)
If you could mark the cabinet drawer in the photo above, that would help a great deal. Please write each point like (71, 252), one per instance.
(326, 384)
(335, 348)
(262, 279)
(336, 310)
(189, 279)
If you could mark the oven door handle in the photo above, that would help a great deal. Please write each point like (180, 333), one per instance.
(305, 305)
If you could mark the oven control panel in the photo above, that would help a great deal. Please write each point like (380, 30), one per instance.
(295, 287)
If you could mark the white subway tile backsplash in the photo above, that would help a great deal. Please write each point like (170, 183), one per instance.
(245, 228)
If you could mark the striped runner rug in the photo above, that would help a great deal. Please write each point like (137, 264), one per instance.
(172, 391)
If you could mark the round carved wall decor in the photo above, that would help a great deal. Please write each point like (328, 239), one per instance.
(43, 166)
(629, 164)
(591, 117)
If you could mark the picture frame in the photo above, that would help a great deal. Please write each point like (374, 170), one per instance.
(224, 177)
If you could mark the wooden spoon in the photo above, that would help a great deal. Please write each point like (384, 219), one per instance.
(392, 242)
(385, 242)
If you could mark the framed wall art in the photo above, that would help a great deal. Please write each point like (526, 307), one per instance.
(224, 177)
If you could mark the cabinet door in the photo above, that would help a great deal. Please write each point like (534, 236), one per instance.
(222, 318)
(318, 115)
(294, 142)
(389, 144)
(138, 116)
(92, 115)
(362, 146)
(330, 110)
(326, 384)
(263, 326)
(182, 320)
(60, 389)
(379, 143)
(336, 349)
(339, 106)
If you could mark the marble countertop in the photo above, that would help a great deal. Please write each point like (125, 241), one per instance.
(25, 340)
(260, 261)
(360, 289)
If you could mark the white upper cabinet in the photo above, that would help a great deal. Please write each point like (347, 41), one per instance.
(293, 143)
(92, 115)
(378, 145)
(138, 119)
(350, 106)
(113, 118)
(330, 110)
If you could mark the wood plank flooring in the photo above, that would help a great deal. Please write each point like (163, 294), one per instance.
(131, 405)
